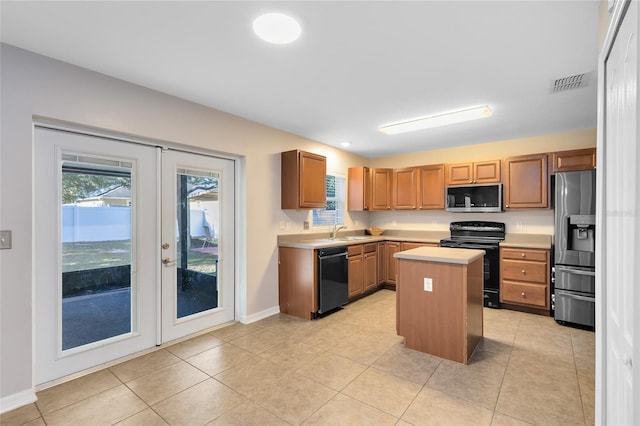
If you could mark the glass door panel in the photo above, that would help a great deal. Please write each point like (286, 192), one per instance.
(196, 245)
(96, 251)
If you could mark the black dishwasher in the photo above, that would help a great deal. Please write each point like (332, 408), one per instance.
(333, 277)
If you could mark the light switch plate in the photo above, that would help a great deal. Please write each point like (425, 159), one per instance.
(428, 284)
(5, 240)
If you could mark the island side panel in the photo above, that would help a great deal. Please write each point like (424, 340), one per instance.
(297, 289)
(432, 322)
(475, 318)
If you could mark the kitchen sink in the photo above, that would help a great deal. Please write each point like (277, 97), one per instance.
(345, 238)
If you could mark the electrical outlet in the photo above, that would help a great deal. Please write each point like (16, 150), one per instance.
(282, 225)
(5, 240)
(305, 224)
(428, 284)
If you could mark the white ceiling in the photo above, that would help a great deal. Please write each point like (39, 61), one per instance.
(358, 65)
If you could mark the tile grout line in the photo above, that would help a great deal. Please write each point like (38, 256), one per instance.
(506, 368)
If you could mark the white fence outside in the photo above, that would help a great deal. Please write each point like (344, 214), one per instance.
(83, 224)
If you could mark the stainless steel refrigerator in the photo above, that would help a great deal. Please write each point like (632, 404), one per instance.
(575, 210)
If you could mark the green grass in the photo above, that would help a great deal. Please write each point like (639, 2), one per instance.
(104, 254)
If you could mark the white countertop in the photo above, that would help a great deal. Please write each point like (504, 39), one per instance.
(441, 255)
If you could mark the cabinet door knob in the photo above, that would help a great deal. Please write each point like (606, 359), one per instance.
(524, 272)
(524, 295)
(524, 255)
(507, 206)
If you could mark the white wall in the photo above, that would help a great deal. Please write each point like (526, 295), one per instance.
(33, 85)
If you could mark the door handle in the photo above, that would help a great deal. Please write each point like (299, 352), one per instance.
(575, 271)
(575, 296)
(167, 261)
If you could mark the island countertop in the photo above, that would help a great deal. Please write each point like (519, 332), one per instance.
(441, 255)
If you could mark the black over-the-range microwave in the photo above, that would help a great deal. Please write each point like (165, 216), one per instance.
(474, 198)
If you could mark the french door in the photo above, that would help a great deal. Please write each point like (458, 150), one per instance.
(197, 253)
(134, 246)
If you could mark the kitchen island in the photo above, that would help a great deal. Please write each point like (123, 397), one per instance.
(439, 299)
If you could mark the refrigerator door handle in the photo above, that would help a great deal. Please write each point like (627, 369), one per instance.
(575, 296)
(575, 271)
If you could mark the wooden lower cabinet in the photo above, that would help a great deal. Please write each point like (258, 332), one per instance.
(390, 270)
(390, 262)
(297, 284)
(370, 267)
(363, 269)
(356, 271)
(405, 245)
(381, 262)
(524, 279)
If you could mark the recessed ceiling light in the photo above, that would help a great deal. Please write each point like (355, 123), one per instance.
(277, 28)
(437, 120)
(346, 144)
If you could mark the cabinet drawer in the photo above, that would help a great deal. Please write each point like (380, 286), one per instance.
(370, 247)
(524, 271)
(524, 294)
(354, 250)
(525, 254)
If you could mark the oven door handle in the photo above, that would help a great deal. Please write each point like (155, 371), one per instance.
(345, 254)
(469, 246)
(575, 271)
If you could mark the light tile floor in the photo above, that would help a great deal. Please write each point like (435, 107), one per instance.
(348, 368)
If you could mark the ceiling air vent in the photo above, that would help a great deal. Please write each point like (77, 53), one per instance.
(571, 82)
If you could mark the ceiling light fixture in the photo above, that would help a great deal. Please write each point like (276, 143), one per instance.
(277, 28)
(346, 144)
(437, 120)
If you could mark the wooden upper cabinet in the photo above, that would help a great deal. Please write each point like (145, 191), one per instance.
(381, 189)
(470, 173)
(578, 159)
(525, 182)
(358, 189)
(405, 188)
(431, 187)
(303, 180)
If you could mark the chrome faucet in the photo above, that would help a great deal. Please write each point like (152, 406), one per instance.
(336, 228)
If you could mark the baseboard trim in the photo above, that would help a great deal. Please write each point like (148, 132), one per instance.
(17, 400)
(248, 319)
